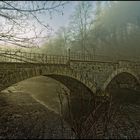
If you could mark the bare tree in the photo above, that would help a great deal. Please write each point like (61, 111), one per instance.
(80, 23)
(20, 21)
(117, 30)
(58, 43)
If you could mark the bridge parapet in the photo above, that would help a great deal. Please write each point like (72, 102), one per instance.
(28, 57)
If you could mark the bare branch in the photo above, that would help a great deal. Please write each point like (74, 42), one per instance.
(20, 19)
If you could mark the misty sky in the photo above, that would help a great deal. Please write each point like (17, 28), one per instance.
(62, 20)
(59, 20)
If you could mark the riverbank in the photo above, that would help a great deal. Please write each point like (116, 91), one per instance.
(41, 88)
(21, 116)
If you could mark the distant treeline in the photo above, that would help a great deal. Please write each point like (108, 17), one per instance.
(103, 27)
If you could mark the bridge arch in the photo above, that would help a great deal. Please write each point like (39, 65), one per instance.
(68, 81)
(23, 74)
(116, 73)
(71, 81)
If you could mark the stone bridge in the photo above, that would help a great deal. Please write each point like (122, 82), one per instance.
(95, 74)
